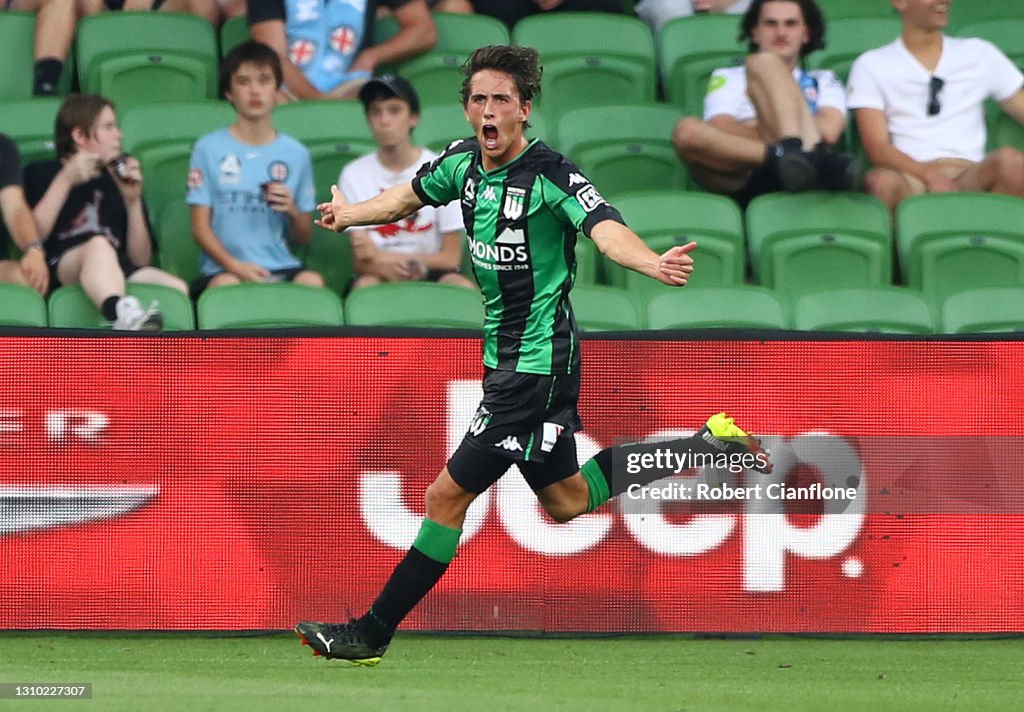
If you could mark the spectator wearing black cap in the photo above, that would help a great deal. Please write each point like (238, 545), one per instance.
(426, 245)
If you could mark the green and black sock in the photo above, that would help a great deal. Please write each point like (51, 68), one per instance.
(423, 566)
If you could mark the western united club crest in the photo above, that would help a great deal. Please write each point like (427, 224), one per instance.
(278, 171)
(514, 199)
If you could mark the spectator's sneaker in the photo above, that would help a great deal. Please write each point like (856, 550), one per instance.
(721, 432)
(837, 171)
(132, 317)
(796, 170)
(340, 641)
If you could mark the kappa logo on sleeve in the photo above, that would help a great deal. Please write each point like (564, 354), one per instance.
(589, 198)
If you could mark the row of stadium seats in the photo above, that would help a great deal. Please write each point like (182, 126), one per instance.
(894, 310)
(137, 58)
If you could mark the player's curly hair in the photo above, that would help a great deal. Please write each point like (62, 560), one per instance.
(520, 63)
(813, 18)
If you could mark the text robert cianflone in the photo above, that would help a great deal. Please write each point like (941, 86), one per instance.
(703, 492)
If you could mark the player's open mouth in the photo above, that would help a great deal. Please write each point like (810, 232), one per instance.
(490, 136)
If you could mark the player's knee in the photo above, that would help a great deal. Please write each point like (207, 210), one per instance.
(446, 502)
(562, 512)
(688, 135)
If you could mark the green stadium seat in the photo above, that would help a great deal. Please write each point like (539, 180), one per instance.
(440, 125)
(137, 58)
(268, 305)
(21, 306)
(335, 132)
(809, 241)
(984, 311)
(842, 9)
(233, 32)
(1007, 34)
(951, 242)
(589, 58)
(850, 37)
(437, 74)
(1005, 131)
(415, 304)
(668, 218)
(737, 307)
(29, 123)
(177, 250)
(69, 307)
(604, 309)
(689, 49)
(161, 136)
(888, 310)
(962, 13)
(624, 149)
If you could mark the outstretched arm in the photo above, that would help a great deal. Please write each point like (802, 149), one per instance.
(620, 244)
(391, 205)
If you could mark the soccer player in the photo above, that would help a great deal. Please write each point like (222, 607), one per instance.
(523, 204)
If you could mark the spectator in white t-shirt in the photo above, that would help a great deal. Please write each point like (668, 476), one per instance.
(770, 125)
(427, 245)
(920, 110)
(657, 12)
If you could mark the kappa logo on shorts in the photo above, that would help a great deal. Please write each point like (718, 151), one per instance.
(510, 443)
(480, 421)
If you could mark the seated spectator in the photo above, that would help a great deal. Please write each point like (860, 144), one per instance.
(206, 9)
(326, 48)
(770, 125)
(250, 187)
(458, 6)
(657, 12)
(55, 28)
(512, 11)
(920, 110)
(88, 205)
(30, 270)
(427, 245)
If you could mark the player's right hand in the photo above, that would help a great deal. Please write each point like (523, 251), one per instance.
(330, 212)
(676, 265)
(83, 167)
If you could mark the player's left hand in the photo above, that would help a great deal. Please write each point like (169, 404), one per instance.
(676, 265)
(330, 212)
(279, 197)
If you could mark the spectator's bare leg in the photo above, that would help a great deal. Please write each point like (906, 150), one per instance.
(152, 275)
(366, 280)
(720, 161)
(209, 10)
(309, 278)
(55, 28)
(224, 279)
(93, 265)
(457, 280)
(890, 186)
(1002, 171)
(781, 108)
(10, 271)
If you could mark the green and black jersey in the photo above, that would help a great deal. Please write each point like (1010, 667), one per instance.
(521, 224)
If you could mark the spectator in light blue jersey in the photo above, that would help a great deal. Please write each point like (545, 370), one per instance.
(251, 187)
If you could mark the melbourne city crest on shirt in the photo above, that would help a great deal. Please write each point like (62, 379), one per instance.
(513, 206)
